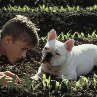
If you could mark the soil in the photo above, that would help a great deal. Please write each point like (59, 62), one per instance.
(28, 67)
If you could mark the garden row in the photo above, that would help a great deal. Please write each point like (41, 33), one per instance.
(34, 3)
(49, 86)
(65, 21)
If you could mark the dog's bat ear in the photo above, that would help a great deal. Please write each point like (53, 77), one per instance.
(52, 35)
(69, 44)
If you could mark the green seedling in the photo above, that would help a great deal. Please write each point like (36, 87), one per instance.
(46, 82)
(2, 79)
(78, 8)
(61, 36)
(81, 35)
(94, 83)
(68, 35)
(57, 85)
(11, 84)
(65, 81)
(61, 9)
(82, 83)
(94, 35)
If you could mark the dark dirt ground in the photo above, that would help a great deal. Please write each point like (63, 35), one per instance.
(27, 67)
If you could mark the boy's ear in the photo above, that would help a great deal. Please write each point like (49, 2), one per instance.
(69, 44)
(7, 39)
(52, 35)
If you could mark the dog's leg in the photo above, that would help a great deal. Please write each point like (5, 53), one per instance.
(72, 74)
(38, 75)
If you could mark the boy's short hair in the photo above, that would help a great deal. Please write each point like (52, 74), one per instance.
(20, 27)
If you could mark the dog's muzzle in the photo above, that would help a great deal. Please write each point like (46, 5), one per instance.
(47, 57)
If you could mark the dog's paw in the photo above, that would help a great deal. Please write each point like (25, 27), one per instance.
(36, 77)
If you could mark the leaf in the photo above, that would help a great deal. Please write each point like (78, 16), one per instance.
(2, 79)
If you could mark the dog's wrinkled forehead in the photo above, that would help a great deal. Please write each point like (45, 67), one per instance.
(54, 44)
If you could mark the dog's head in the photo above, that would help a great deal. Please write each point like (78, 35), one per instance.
(55, 52)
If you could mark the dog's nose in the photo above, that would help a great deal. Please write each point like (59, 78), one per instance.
(47, 57)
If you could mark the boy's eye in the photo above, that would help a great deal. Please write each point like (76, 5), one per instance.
(24, 48)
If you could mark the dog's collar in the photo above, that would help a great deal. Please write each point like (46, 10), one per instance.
(57, 69)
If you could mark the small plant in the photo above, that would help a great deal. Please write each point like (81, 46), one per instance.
(74, 35)
(42, 7)
(65, 81)
(94, 35)
(57, 85)
(62, 9)
(11, 84)
(61, 36)
(67, 36)
(2, 79)
(94, 81)
(69, 8)
(26, 84)
(81, 35)
(45, 81)
(82, 83)
(78, 8)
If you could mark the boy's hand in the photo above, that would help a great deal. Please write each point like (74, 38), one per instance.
(9, 77)
(6, 80)
(10, 74)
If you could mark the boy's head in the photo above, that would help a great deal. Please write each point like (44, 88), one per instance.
(18, 35)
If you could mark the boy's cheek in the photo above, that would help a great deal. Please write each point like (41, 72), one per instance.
(12, 59)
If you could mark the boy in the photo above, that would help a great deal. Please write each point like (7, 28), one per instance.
(18, 36)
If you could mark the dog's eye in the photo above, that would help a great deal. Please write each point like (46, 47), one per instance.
(57, 54)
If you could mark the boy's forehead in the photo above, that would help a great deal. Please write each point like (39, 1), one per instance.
(26, 40)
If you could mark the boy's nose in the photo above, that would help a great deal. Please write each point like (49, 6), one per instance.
(24, 54)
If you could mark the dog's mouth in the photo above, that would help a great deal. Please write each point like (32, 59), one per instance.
(49, 68)
(47, 57)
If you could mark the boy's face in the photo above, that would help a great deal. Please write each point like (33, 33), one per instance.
(15, 49)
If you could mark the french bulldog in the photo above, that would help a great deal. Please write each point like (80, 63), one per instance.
(66, 60)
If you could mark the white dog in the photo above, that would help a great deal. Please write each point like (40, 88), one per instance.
(65, 59)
